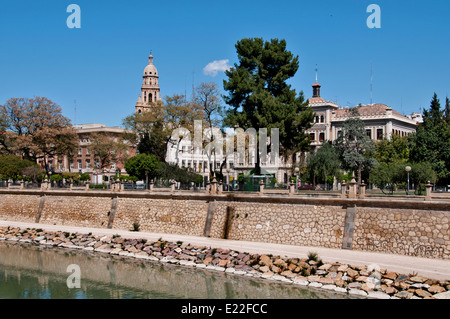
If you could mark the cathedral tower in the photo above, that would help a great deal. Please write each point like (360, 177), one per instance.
(150, 92)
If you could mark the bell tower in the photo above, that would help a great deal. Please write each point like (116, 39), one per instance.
(150, 92)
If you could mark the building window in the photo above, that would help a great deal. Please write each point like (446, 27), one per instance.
(339, 133)
(379, 134)
(322, 119)
(80, 152)
(80, 165)
(321, 137)
(369, 133)
(312, 136)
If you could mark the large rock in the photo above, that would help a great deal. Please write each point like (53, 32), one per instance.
(418, 279)
(436, 289)
(265, 260)
(422, 293)
(442, 295)
(280, 263)
(390, 275)
(352, 273)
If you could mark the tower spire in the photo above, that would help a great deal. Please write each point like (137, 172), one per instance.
(316, 73)
(150, 58)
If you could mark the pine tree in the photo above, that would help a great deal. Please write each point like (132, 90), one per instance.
(447, 111)
(260, 97)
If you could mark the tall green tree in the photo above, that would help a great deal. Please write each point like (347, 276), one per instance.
(260, 97)
(142, 166)
(14, 167)
(447, 111)
(393, 150)
(354, 147)
(323, 163)
(431, 141)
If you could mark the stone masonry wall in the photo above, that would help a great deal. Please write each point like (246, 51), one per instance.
(412, 232)
(414, 228)
(19, 207)
(296, 224)
(161, 215)
(80, 211)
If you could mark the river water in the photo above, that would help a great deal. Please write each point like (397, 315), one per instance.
(37, 272)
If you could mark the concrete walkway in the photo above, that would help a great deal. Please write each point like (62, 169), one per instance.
(430, 268)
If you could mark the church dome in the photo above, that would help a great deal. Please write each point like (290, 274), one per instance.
(150, 69)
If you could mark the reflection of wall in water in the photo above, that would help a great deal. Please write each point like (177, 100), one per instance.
(166, 280)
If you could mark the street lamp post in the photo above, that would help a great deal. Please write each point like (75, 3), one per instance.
(408, 169)
(146, 179)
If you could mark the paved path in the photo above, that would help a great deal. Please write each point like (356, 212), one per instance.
(431, 268)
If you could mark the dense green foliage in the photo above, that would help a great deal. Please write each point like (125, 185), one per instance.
(138, 165)
(142, 165)
(431, 142)
(322, 164)
(354, 148)
(260, 97)
(13, 167)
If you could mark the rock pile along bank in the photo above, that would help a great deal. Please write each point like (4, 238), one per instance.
(365, 281)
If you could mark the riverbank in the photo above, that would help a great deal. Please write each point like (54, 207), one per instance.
(314, 270)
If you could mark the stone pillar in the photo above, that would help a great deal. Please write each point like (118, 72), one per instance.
(71, 185)
(9, 183)
(261, 187)
(21, 184)
(151, 185)
(121, 186)
(207, 187)
(44, 185)
(362, 188)
(291, 188)
(213, 186)
(172, 186)
(428, 191)
(343, 189)
(220, 189)
(352, 188)
(86, 185)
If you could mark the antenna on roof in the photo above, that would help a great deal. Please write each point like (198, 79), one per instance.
(75, 112)
(316, 73)
(193, 86)
(371, 82)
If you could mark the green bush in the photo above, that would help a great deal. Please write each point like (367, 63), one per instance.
(99, 186)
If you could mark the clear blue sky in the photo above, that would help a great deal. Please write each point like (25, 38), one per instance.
(100, 65)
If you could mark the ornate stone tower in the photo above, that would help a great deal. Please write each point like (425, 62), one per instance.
(150, 92)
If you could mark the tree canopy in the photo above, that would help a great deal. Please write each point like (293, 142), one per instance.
(34, 128)
(354, 147)
(260, 97)
(431, 141)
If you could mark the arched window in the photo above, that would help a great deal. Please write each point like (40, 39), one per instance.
(150, 97)
(322, 119)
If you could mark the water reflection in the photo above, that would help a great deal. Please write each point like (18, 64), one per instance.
(28, 271)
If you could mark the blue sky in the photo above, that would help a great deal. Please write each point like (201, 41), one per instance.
(100, 65)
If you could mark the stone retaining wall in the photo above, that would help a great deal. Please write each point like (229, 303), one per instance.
(414, 227)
